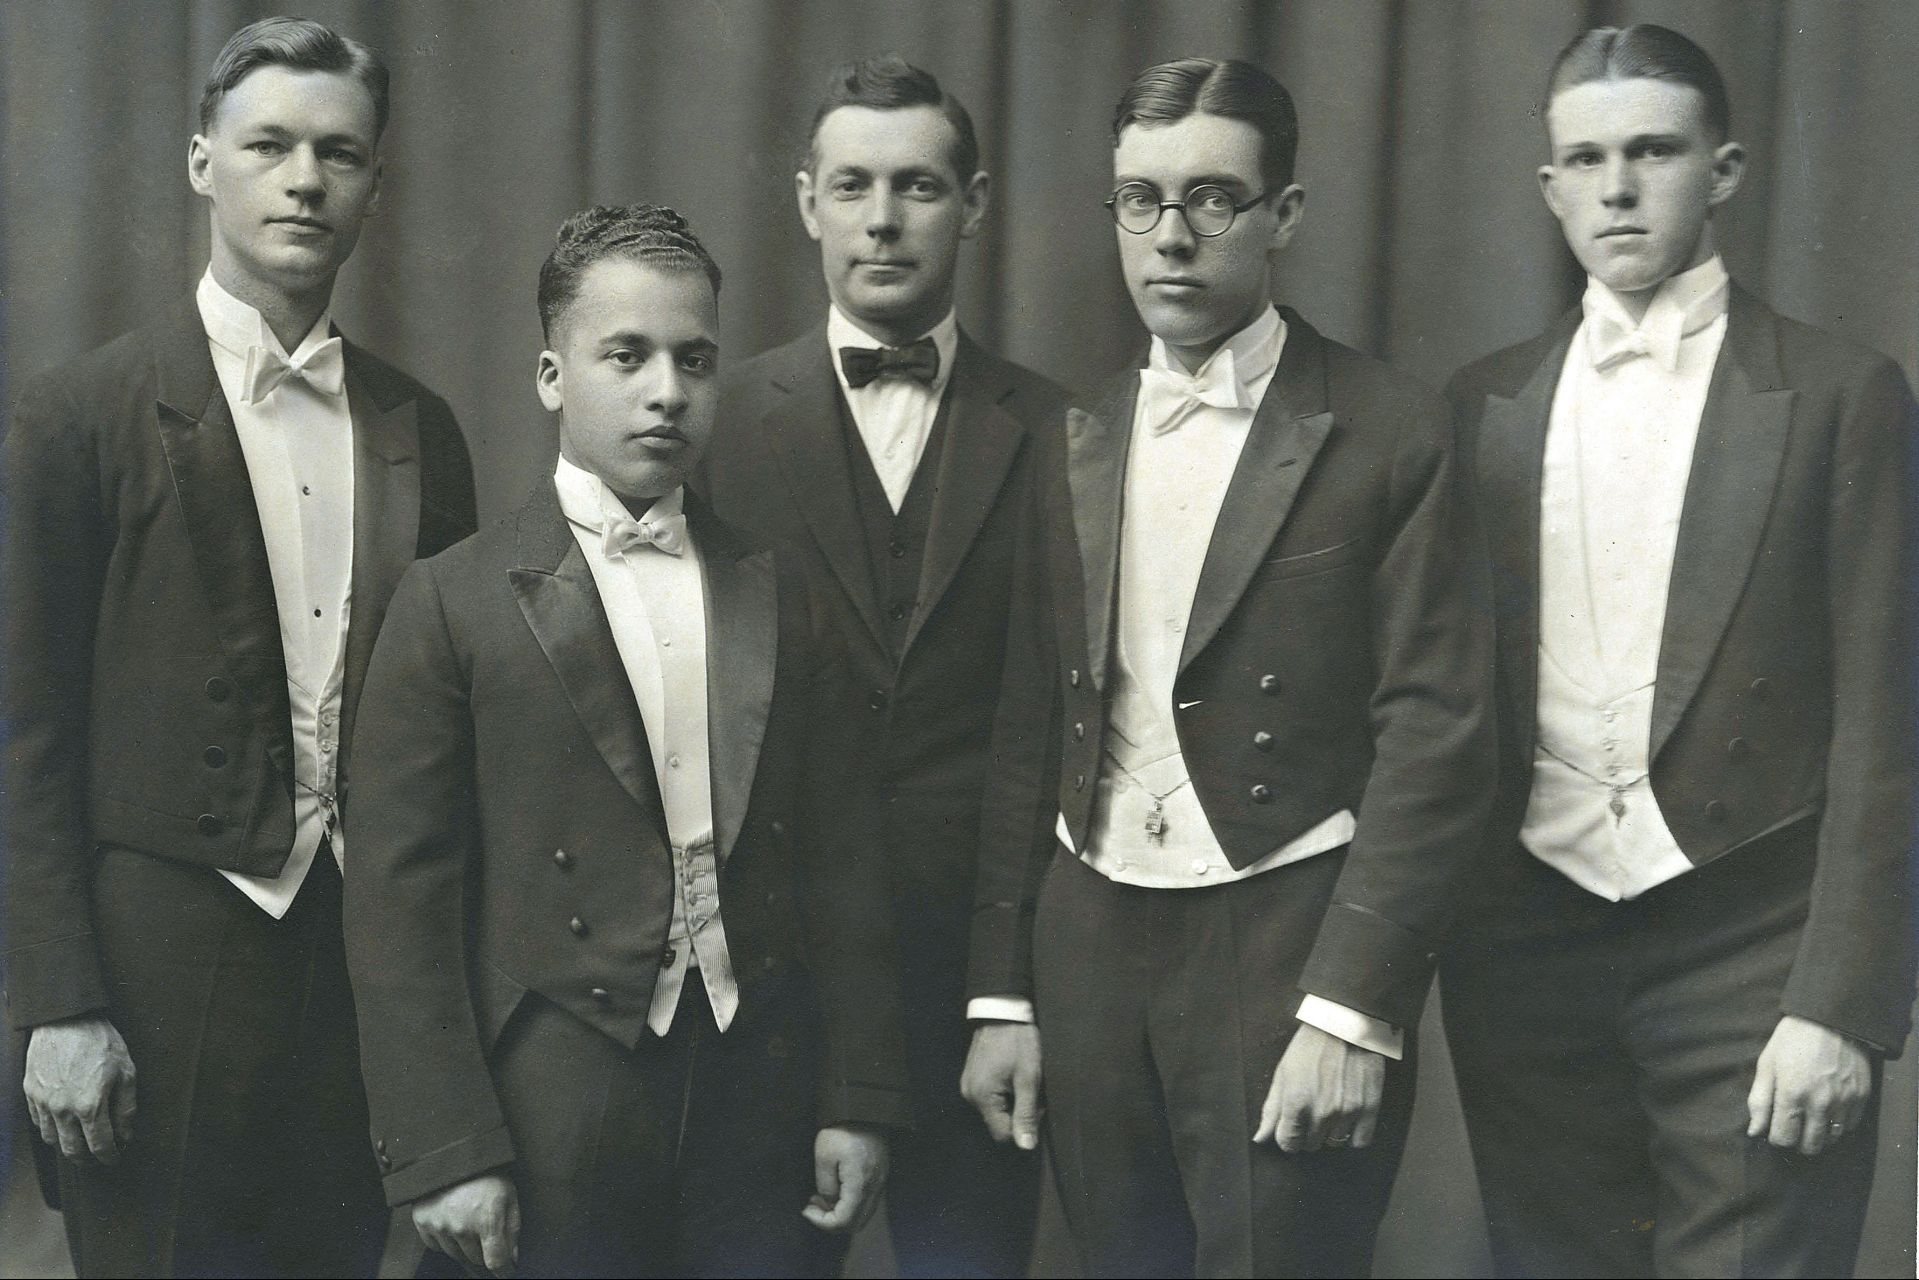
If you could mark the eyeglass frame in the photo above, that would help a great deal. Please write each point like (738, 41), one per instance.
(1112, 206)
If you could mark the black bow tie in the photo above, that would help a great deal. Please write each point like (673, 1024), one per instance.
(919, 361)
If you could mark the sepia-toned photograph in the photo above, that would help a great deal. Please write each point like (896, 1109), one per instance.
(1002, 638)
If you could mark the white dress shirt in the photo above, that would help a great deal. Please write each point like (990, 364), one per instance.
(1618, 453)
(1188, 431)
(656, 605)
(296, 434)
(894, 416)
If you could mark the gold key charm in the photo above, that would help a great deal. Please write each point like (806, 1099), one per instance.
(1156, 823)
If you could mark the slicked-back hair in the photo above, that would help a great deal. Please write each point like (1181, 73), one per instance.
(1643, 51)
(891, 83)
(1235, 90)
(649, 233)
(298, 43)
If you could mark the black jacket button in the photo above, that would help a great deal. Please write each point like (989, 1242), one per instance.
(562, 859)
(1262, 794)
(601, 995)
(1715, 810)
(1738, 749)
(1079, 730)
(877, 699)
(1072, 677)
(578, 926)
(216, 757)
(1269, 683)
(896, 612)
(1263, 740)
(1079, 782)
(777, 827)
(1760, 687)
(219, 688)
(210, 825)
(667, 957)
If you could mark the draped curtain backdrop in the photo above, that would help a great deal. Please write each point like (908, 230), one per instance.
(1425, 241)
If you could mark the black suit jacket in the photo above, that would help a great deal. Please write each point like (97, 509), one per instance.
(1785, 674)
(510, 838)
(1338, 656)
(146, 690)
(778, 466)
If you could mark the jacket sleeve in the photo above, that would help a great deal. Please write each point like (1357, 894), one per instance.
(435, 1116)
(1854, 969)
(1021, 798)
(1426, 798)
(57, 543)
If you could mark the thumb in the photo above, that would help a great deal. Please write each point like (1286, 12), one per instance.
(1026, 1110)
(826, 1175)
(123, 1108)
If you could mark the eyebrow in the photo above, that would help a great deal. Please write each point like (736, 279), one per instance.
(1197, 180)
(1636, 140)
(281, 132)
(634, 338)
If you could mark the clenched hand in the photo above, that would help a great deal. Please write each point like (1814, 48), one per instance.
(79, 1087)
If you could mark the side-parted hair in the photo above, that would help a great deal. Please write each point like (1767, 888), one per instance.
(891, 83)
(1643, 51)
(302, 45)
(649, 233)
(1236, 90)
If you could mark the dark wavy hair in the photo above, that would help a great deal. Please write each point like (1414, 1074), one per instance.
(1236, 90)
(303, 45)
(649, 233)
(891, 83)
(1643, 50)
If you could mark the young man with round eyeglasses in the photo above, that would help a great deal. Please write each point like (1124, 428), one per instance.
(1248, 692)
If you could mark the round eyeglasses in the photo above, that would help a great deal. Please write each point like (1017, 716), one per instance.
(1209, 210)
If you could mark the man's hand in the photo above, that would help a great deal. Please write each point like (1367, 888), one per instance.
(476, 1222)
(1002, 1077)
(1325, 1092)
(1811, 1087)
(79, 1086)
(849, 1170)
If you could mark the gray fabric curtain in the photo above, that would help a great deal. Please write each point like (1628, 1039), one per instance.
(1425, 241)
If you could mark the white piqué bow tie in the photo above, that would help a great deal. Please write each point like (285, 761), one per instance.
(1169, 398)
(618, 536)
(323, 369)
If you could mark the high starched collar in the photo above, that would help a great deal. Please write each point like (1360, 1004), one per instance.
(1682, 306)
(236, 327)
(586, 501)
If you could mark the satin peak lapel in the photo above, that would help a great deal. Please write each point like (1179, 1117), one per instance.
(1511, 459)
(215, 492)
(562, 607)
(386, 508)
(982, 440)
(742, 652)
(1735, 470)
(1288, 431)
(1096, 447)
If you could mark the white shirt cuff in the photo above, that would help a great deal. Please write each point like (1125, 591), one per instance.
(1352, 1026)
(999, 1009)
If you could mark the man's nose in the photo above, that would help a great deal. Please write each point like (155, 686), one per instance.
(1174, 237)
(882, 214)
(303, 176)
(666, 388)
(1619, 185)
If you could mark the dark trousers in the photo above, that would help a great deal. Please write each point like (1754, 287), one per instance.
(250, 1154)
(1162, 1014)
(957, 1203)
(688, 1155)
(1604, 1054)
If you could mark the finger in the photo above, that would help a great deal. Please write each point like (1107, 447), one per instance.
(999, 1120)
(1759, 1099)
(470, 1249)
(1269, 1114)
(97, 1127)
(1818, 1128)
(1026, 1109)
(1299, 1128)
(513, 1223)
(495, 1251)
(125, 1105)
(71, 1141)
(1788, 1123)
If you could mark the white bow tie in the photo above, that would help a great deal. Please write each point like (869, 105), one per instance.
(1169, 398)
(619, 536)
(323, 369)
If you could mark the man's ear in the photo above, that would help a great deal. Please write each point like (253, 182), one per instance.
(1549, 192)
(549, 383)
(199, 159)
(975, 199)
(379, 176)
(1728, 168)
(803, 192)
(1289, 210)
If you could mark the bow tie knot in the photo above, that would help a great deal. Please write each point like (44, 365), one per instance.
(620, 536)
(1172, 397)
(1610, 343)
(323, 368)
(918, 361)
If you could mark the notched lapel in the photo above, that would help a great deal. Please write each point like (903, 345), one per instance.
(1096, 447)
(982, 439)
(1729, 494)
(803, 424)
(215, 493)
(742, 652)
(562, 607)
